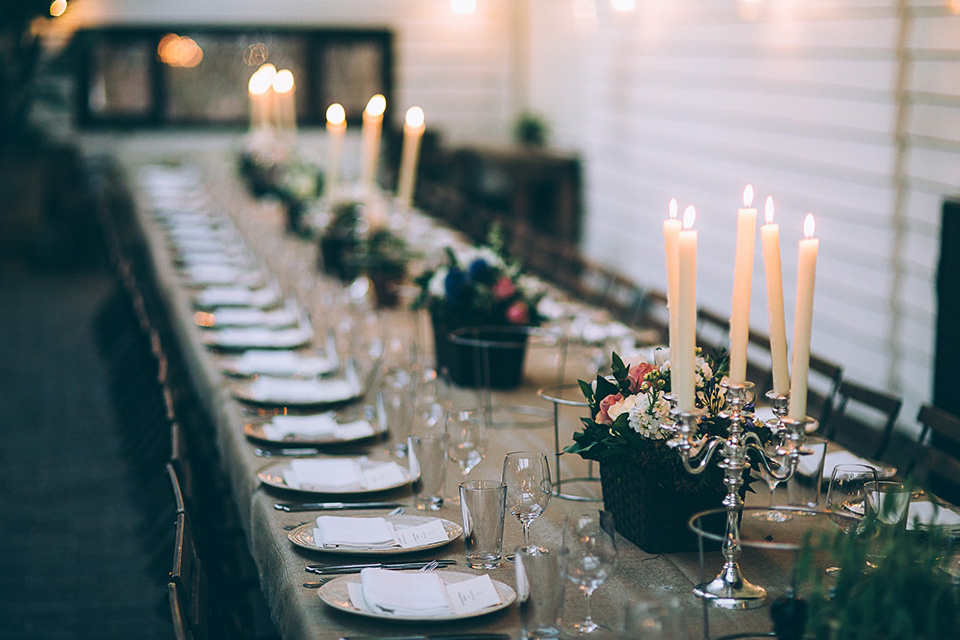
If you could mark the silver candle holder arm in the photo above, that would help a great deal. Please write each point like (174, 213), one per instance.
(730, 589)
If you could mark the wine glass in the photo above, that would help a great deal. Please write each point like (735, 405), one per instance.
(771, 515)
(591, 557)
(467, 432)
(527, 476)
(847, 497)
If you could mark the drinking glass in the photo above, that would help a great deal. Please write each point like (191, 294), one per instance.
(527, 476)
(427, 457)
(772, 515)
(592, 556)
(467, 434)
(847, 497)
(888, 503)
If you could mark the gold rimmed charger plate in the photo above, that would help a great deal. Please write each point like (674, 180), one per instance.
(302, 536)
(334, 594)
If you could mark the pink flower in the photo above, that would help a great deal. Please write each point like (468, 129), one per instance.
(602, 416)
(518, 313)
(637, 373)
(504, 288)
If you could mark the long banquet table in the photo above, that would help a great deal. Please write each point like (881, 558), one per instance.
(297, 611)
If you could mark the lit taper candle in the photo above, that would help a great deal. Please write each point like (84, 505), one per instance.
(742, 283)
(413, 129)
(336, 130)
(671, 229)
(370, 139)
(772, 268)
(683, 379)
(803, 320)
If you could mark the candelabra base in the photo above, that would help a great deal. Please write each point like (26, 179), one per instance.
(730, 590)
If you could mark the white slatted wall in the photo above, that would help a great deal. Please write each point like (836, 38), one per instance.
(687, 99)
(458, 68)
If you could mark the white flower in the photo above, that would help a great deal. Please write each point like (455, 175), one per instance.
(623, 406)
(647, 414)
(438, 283)
(661, 357)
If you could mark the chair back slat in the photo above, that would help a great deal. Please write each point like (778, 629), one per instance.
(863, 419)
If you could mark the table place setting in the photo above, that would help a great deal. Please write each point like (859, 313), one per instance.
(926, 515)
(237, 296)
(391, 534)
(242, 338)
(296, 392)
(204, 275)
(833, 459)
(320, 428)
(420, 595)
(287, 316)
(280, 362)
(335, 475)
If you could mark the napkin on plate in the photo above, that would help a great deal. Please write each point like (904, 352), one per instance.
(262, 337)
(344, 531)
(807, 464)
(928, 514)
(420, 593)
(249, 317)
(337, 474)
(231, 296)
(282, 390)
(835, 458)
(281, 363)
(322, 425)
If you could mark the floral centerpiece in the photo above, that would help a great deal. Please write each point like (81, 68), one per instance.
(644, 482)
(478, 287)
(289, 178)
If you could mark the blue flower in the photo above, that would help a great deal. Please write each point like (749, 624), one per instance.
(454, 285)
(480, 271)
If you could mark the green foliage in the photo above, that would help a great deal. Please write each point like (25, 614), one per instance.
(902, 594)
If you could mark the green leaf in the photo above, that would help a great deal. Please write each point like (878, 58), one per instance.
(587, 390)
(604, 388)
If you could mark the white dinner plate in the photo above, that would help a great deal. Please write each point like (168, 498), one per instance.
(272, 475)
(302, 536)
(247, 391)
(256, 432)
(244, 338)
(334, 593)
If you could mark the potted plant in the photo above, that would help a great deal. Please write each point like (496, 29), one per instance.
(644, 482)
(299, 183)
(385, 256)
(479, 287)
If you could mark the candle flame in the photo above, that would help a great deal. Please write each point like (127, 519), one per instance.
(768, 209)
(673, 208)
(748, 196)
(808, 226)
(689, 216)
(376, 106)
(283, 81)
(259, 83)
(414, 117)
(335, 114)
(268, 70)
(57, 7)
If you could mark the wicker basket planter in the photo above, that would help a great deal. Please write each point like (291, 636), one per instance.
(648, 510)
(468, 363)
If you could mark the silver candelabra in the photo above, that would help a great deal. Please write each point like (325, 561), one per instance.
(730, 589)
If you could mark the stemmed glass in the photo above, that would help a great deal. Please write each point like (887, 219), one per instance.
(847, 497)
(527, 476)
(591, 557)
(771, 515)
(467, 432)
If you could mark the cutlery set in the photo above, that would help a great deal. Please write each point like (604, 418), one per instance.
(342, 569)
(333, 506)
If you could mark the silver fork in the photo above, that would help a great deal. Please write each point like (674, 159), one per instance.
(430, 566)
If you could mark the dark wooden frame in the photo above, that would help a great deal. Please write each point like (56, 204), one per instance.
(316, 41)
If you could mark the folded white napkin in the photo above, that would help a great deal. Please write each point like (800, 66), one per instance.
(210, 274)
(282, 363)
(420, 593)
(344, 531)
(271, 389)
(260, 337)
(835, 458)
(807, 465)
(312, 426)
(334, 474)
(237, 296)
(249, 317)
(928, 514)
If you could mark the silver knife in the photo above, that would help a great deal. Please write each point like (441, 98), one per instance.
(287, 452)
(357, 568)
(332, 506)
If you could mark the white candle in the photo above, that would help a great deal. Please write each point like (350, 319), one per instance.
(336, 130)
(770, 241)
(803, 321)
(413, 129)
(683, 379)
(284, 88)
(742, 283)
(370, 139)
(260, 87)
(671, 229)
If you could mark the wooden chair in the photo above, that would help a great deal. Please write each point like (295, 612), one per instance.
(713, 330)
(823, 386)
(940, 462)
(863, 419)
(182, 628)
(189, 586)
